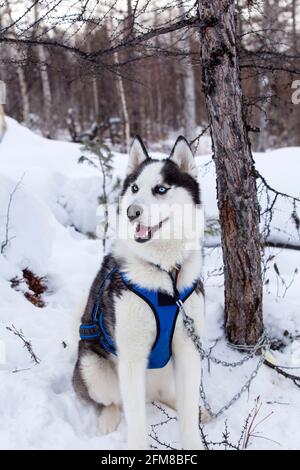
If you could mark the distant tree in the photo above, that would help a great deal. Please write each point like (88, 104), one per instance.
(47, 124)
(189, 103)
(19, 53)
(294, 11)
(264, 85)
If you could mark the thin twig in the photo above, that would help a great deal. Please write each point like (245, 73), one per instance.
(293, 378)
(200, 135)
(11, 196)
(273, 190)
(27, 343)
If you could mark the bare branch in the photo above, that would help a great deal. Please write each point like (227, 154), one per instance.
(10, 200)
(27, 343)
(294, 378)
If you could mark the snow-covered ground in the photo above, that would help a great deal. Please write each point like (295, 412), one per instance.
(53, 205)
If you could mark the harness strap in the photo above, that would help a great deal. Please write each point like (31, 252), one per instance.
(96, 329)
(165, 309)
(106, 338)
(88, 331)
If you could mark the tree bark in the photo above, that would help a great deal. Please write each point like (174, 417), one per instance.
(2, 99)
(236, 184)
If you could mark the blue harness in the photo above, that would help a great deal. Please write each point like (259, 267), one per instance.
(165, 309)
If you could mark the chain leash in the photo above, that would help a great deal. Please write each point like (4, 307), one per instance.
(262, 345)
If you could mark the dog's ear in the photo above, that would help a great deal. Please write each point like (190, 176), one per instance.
(182, 155)
(137, 154)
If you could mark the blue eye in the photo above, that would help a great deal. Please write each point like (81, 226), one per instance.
(160, 189)
(134, 188)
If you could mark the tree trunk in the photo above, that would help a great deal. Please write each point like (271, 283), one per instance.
(133, 87)
(95, 92)
(189, 105)
(2, 119)
(23, 91)
(47, 96)
(264, 90)
(236, 184)
(46, 89)
(2, 99)
(124, 107)
(21, 75)
(264, 84)
(159, 71)
(96, 99)
(294, 23)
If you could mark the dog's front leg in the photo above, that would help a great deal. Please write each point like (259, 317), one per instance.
(132, 376)
(187, 375)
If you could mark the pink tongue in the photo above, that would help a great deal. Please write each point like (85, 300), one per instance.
(141, 231)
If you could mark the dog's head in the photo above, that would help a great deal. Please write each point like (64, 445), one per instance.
(160, 198)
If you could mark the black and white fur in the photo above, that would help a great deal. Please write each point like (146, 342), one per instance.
(123, 382)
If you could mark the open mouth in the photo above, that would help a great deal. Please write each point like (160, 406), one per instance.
(143, 233)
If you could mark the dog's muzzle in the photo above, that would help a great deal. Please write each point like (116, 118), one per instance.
(134, 211)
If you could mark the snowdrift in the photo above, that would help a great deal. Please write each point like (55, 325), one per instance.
(47, 206)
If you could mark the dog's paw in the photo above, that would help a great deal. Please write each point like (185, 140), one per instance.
(109, 419)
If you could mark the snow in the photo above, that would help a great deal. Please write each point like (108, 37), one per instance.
(52, 210)
(281, 169)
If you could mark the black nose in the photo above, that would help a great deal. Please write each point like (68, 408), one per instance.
(134, 211)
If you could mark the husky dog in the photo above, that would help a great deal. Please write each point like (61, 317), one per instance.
(161, 253)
